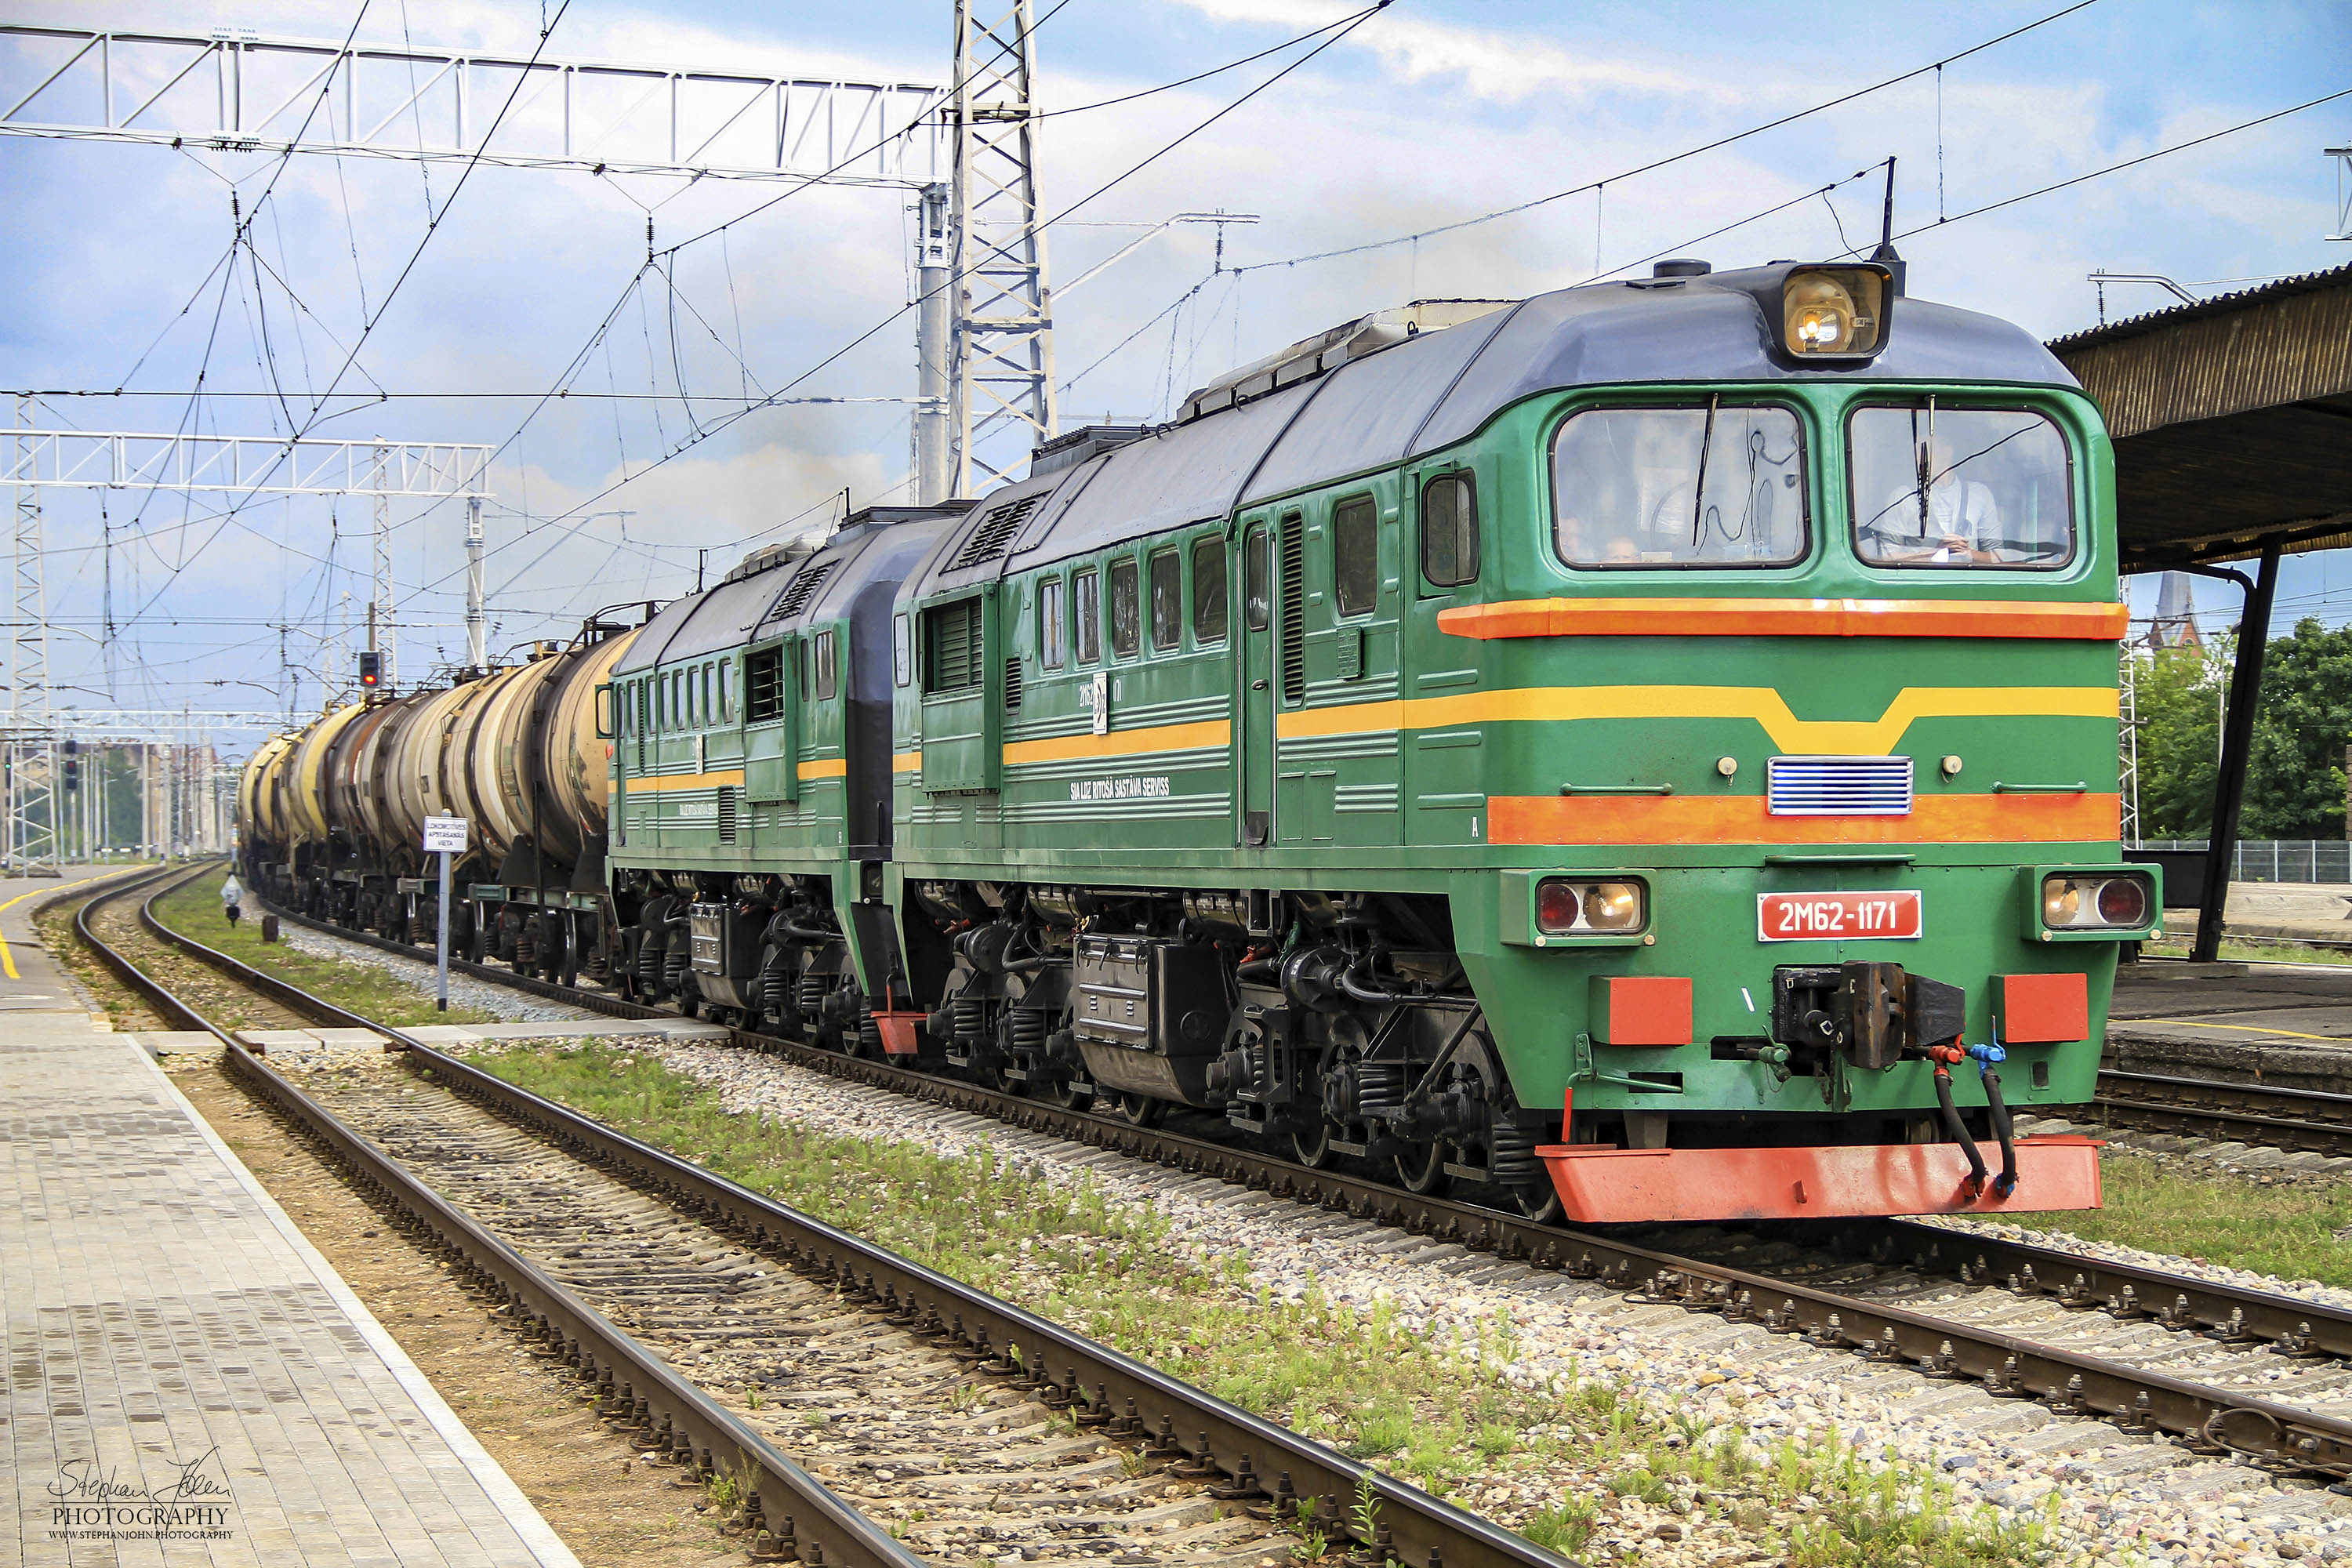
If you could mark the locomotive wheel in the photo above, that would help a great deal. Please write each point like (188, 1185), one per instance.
(1068, 1097)
(864, 1042)
(1421, 1170)
(1138, 1110)
(1312, 1147)
(1539, 1202)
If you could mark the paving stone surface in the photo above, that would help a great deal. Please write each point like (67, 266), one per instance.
(188, 1381)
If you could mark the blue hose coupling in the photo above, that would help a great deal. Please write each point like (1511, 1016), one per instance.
(1988, 1056)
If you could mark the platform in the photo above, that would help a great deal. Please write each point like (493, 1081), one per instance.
(2288, 1025)
(188, 1380)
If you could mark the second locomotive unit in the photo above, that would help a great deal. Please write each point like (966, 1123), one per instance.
(1646, 750)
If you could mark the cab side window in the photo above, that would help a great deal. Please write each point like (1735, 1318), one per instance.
(1449, 530)
(1085, 614)
(1126, 607)
(1051, 649)
(1166, 600)
(824, 665)
(1209, 608)
(1355, 554)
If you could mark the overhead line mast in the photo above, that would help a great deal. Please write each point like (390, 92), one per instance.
(1001, 351)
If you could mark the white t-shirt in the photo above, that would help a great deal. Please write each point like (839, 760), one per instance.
(1962, 509)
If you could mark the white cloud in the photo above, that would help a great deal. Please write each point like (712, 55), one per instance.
(1502, 66)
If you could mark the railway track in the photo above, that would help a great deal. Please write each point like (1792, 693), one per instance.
(937, 1421)
(2291, 1118)
(2262, 1376)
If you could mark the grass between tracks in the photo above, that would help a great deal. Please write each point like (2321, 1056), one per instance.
(1581, 1468)
(2252, 950)
(194, 911)
(2292, 1229)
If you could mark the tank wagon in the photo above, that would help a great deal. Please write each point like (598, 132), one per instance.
(1641, 752)
(333, 816)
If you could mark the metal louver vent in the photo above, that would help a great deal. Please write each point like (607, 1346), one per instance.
(994, 532)
(1838, 786)
(1293, 608)
(1013, 686)
(802, 589)
(951, 645)
(725, 814)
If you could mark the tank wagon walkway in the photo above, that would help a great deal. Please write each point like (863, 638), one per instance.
(187, 1380)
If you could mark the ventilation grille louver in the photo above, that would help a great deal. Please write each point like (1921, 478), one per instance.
(1293, 608)
(725, 814)
(1838, 786)
(802, 589)
(993, 535)
(1013, 686)
(952, 643)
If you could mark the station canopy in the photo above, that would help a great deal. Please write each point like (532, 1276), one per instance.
(2232, 420)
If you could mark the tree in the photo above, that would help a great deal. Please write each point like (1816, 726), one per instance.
(2178, 698)
(2295, 780)
(2295, 786)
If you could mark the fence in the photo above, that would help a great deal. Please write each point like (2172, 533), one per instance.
(2278, 859)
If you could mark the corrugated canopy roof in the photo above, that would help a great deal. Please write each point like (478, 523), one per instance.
(2232, 420)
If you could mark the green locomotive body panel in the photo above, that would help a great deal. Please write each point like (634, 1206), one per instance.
(1391, 754)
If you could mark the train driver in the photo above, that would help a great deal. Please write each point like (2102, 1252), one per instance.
(1960, 516)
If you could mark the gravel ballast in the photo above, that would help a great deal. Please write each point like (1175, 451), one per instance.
(2105, 1495)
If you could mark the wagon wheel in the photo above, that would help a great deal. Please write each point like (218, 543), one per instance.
(1311, 1145)
(1421, 1169)
(1139, 1110)
(1065, 1094)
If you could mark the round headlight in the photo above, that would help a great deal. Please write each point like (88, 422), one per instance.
(2123, 902)
(1820, 315)
(2061, 901)
(1613, 906)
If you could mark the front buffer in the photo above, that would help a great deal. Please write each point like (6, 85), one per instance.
(1869, 1016)
(1600, 1185)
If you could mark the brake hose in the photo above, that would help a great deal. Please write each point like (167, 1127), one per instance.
(1957, 1130)
(2003, 1127)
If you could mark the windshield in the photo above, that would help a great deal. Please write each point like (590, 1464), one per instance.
(1960, 487)
(1721, 485)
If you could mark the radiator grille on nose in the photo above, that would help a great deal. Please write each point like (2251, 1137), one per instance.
(1838, 786)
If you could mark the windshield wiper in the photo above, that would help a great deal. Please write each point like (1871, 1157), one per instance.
(1698, 496)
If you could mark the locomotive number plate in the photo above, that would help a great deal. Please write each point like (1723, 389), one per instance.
(1816, 916)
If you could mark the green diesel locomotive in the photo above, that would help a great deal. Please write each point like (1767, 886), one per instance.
(1646, 752)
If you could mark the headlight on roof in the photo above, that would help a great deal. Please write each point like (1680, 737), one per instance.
(1834, 312)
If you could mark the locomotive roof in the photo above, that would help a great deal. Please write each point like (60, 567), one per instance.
(1440, 387)
(744, 609)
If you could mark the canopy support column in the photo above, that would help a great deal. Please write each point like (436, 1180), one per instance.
(2237, 748)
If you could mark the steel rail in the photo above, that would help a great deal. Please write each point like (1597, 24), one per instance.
(1100, 1386)
(2139, 1400)
(2303, 1120)
(790, 1513)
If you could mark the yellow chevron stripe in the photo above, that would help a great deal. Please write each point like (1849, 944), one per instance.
(1121, 742)
(1765, 705)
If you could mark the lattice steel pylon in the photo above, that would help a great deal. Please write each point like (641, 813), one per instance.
(32, 839)
(381, 638)
(1001, 361)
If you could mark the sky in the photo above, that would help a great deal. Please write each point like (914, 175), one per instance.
(469, 300)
